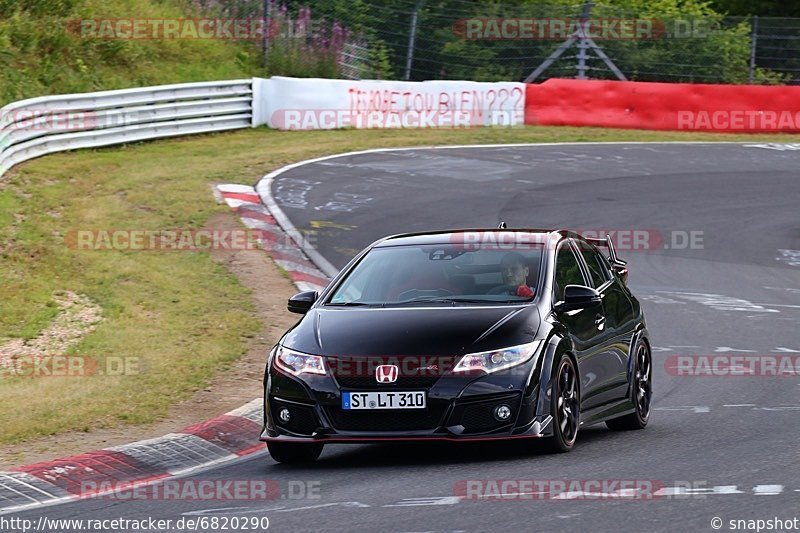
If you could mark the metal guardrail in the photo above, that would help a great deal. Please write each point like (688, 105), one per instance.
(38, 126)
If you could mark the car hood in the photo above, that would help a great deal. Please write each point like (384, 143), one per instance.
(412, 331)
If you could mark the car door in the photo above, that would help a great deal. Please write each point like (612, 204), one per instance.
(581, 326)
(616, 325)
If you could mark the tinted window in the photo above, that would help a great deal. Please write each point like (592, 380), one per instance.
(597, 271)
(568, 272)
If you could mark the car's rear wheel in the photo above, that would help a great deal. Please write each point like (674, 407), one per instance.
(565, 406)
(642, 392)
(294, 453)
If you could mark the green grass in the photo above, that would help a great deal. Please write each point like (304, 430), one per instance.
(184, 315)
(41, 54)
(181, 313)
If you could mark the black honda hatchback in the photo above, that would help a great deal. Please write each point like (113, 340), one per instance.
(462, 335)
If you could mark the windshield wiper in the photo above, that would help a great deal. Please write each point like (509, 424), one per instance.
(440, 299)
(422, 300)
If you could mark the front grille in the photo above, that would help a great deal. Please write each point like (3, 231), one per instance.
(479, 418)
(386, 419)
(406, 383)
(302, 422)
(476, 417)
(415, 373)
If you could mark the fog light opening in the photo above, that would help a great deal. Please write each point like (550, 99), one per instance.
(284, 415)
(502, 413)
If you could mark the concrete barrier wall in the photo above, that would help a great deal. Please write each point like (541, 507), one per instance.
(310, 103)
(663, 106)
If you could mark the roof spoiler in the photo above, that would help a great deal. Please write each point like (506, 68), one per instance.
(619, 265)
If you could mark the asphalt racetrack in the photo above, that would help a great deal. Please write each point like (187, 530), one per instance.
(718, 273)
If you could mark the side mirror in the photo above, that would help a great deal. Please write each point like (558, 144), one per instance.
(578, 297)
(301, 302)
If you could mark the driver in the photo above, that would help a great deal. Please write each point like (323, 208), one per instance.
(515, 271)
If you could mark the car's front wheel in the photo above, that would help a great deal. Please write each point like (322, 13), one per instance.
(565, 406)
(294, 453)
(642, 392)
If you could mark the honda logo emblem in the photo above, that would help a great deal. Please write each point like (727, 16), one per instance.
(386, 373)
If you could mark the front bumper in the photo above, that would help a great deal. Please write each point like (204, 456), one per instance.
(458, 409)
(541, 427)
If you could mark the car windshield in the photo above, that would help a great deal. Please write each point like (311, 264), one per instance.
(442, 275)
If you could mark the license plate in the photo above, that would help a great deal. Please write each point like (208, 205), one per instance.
(383, 400)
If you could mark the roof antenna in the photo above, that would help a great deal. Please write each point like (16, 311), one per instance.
(502, 225)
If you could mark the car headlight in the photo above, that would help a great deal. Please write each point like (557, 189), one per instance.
(297, 363)
(495, 360)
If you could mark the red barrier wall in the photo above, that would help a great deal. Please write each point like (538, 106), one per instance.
(663, 106)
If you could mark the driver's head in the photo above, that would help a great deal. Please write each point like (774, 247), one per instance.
(514, 269)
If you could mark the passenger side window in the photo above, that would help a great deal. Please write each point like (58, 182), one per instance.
(568, 271)
(597, 271)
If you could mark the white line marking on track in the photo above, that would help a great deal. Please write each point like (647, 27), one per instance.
(218, 510)
(723, 349)
(323, 505)
(434, 500)
(683, 491)
(719, 302)
(270, 509)
(706, 409)
(692, 408)
(767, 490)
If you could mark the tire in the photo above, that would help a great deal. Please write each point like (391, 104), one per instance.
(564, 407)
(294, 453)
(642, 387)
